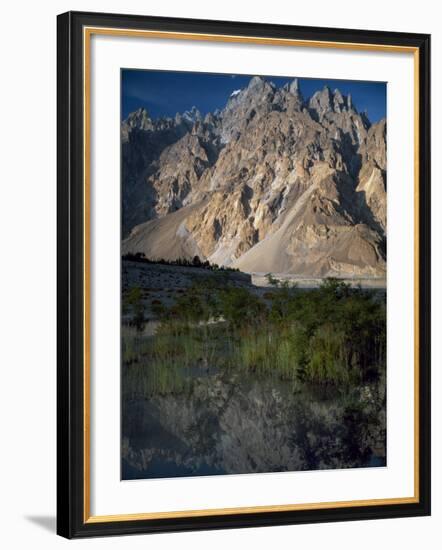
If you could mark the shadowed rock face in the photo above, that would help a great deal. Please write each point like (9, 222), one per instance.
(271, 183)
(241, 425)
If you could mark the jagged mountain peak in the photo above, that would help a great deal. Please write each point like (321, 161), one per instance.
(141, 111)
(192, 115)
(260, 86)
(294, 87)
(258, 93)
(138, 119)
(325, 101)
(258, 89)
(271, 182)
(337, 94)
(257, 81)
(338, 98)
(321, 101)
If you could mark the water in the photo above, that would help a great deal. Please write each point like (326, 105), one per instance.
(237, 423)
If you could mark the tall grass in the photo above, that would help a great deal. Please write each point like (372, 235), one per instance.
(331, 335)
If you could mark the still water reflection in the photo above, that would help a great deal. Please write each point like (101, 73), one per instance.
(231, 424)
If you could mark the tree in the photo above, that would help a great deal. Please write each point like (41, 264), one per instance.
(272, 280)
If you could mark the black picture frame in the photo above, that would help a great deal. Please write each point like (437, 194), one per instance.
(72, 521)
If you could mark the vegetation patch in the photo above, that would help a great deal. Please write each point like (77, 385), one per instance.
(333, 335)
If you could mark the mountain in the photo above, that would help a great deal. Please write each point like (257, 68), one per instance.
(272, 183)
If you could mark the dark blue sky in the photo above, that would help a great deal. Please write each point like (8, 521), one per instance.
(164, 93)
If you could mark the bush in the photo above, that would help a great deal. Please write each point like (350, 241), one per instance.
(330, 335)
(239, 307)
(134, 299)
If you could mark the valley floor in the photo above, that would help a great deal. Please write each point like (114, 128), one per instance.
(164, 284)
(261, 280)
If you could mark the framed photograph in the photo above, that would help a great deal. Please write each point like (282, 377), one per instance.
(243, 274)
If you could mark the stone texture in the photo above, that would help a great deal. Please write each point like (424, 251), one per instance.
(273, 182)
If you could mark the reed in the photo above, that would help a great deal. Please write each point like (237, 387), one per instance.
(332, 335)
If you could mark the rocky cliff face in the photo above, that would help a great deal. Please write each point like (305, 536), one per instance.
(272, 183)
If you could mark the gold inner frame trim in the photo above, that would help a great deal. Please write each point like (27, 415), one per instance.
(87, 34)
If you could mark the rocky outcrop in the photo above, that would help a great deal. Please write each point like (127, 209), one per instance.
(273, 182)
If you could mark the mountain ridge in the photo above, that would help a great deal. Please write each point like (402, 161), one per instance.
(272, 182)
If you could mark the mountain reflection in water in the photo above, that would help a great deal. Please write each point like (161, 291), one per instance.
(224, 423)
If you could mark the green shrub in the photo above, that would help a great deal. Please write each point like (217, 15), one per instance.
(330, 335)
